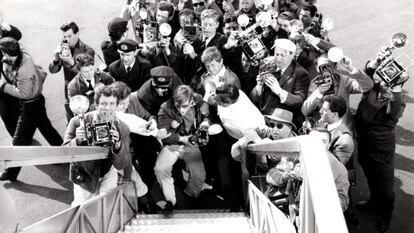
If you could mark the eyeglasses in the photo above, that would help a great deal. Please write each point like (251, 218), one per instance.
(198, 4)
(278, 125)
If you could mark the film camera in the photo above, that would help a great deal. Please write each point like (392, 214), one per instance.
(96, 134)
(389, 70)
(65, 50)
(250, 41)
(190, 32)
(200, 137)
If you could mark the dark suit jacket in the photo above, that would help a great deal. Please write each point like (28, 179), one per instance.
(78, 87)
(139, 73)
(187, 68)
(296, 82)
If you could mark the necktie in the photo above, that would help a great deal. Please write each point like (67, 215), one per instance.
(128, 69)
(90, 87)
(278, 74)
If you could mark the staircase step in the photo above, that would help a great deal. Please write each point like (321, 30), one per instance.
(183, 221)
(178, 215)
(225, 227)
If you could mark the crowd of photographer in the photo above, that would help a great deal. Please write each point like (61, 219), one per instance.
(200, 80)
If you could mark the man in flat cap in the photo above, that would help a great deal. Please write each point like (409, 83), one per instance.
(64, 55)
(116, 29)
(158, 89)
(130, 68)
(286, 88)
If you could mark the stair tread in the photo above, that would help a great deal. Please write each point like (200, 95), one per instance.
(179, 215)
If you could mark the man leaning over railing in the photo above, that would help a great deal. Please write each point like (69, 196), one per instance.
(100, 127)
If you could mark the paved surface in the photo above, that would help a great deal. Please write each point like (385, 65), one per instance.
(361, 28)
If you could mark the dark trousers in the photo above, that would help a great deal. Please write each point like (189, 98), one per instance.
(378, 167)
(9, 112)
(145, 152)
(223, 169)
(33, 116)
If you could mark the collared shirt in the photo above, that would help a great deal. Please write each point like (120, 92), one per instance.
(207, 40)
(132, 65)
(216, 78)
(240, 116)
(335, 125)
(92, 81)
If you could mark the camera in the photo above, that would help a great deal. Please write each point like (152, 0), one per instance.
(65, 50)
(200, 137)
(325, 78)
(390, 72)
(190, 32)
(100, 134)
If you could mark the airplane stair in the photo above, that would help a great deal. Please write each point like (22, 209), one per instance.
(191, 221)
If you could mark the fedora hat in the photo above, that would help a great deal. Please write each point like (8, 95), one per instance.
(281, 115)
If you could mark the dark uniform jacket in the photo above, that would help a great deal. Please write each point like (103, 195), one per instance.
(149, 98)
(138, 75)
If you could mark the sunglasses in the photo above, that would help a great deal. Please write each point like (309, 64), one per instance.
(277, 125)
(198, 4)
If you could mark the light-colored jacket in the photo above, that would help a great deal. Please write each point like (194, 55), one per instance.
(26, 82)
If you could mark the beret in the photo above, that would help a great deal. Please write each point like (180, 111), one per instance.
(285, 44)
(117, 25)
(127, 45)
(162, 75)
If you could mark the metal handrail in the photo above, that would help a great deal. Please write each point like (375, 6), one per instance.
(105, 213)
(320, 209)
(265, 216)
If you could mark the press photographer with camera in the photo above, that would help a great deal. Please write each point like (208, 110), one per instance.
(88, 79)
(377, 116)
(286, 87)
(101, 128)
(339, 78)
(181, 116)
(23, 80)
(64, 55)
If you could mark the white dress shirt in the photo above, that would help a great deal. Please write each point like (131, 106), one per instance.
(240, 116)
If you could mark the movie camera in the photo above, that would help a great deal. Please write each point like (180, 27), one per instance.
(389, 70)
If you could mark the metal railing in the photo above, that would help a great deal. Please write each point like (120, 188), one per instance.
(320, 209)
(105, 213)
(265, 217)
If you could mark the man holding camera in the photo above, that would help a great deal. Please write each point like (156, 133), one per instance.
(130, 68)
(101, 127)
(64, 56)
(378, 113)
(287, 87)
(181, 116)
(340, 79)
(88, 79)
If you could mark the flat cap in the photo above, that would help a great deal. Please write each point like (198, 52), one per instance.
(117, 24)
(285, 44)
(162, 75)
(127, 45)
